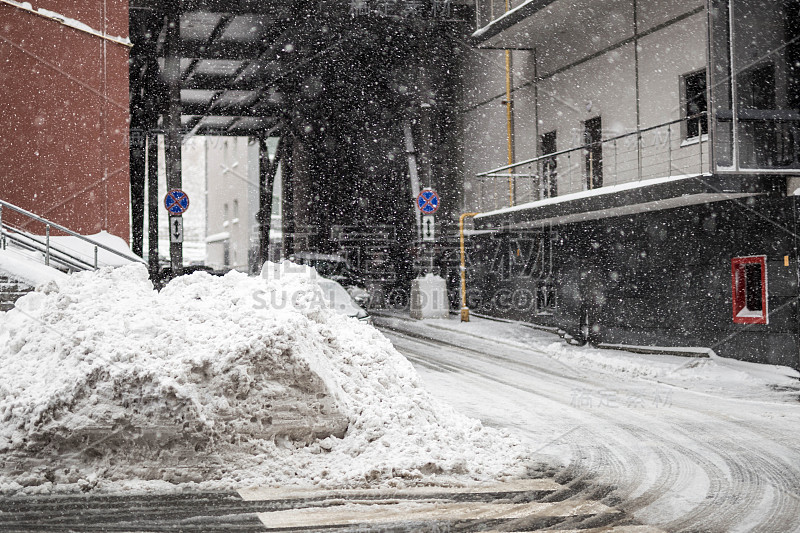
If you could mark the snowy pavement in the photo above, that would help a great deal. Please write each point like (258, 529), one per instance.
(524, 505)
(161, 405)
(686, 444)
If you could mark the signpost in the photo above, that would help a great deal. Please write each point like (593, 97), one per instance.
(428, 228)
(428, 203)
(176, 203)
(175, 229)
(429, 290)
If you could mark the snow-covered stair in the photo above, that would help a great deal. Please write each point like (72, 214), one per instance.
(11, 290)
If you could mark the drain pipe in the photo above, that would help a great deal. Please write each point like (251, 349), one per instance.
(509, 121)
(464, 308)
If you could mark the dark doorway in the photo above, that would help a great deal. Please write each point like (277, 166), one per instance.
(592, 135)
(549, 166)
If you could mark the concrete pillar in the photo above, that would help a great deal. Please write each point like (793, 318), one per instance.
(152, 204)
(137, 169)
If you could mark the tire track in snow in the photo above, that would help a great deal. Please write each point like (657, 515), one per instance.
(753, 475)
(704, 517)
(741, 481)
(665, 480)
(587, 458)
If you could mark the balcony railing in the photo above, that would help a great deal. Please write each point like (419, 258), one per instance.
(678, 147)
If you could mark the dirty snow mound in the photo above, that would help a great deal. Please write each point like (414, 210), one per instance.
(228, 381)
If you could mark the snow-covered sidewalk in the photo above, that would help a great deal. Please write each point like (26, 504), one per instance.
(712, 374)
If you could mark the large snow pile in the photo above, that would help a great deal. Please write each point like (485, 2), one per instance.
(228, 381)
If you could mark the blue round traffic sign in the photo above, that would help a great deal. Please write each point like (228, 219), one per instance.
(177, 202)
(428, 201)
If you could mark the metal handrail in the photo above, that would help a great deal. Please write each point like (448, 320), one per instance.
(50, 224)
(638, 132)
(68, 260)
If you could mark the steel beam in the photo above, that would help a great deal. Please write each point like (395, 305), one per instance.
(231, 51)
(207, 82)
(211, 110)
(225, 131)
(235, 7)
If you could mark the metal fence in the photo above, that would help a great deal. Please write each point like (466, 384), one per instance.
(678, 147)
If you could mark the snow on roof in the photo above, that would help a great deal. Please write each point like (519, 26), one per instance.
(315, 256)
(475, 232)
(218, 237)
(230, 381)
(601, 191)
(67, 21)
(511, 14)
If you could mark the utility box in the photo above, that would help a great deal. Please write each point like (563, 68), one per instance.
(429, 298)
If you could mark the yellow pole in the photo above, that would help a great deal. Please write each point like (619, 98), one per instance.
(464, 308)
(509, 123)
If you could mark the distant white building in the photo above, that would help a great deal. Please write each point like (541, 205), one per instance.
(232, 231)
(193, 162)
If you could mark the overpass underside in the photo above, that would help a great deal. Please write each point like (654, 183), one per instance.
(349, 87)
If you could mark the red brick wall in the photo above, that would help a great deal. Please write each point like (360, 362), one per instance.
(64, 116)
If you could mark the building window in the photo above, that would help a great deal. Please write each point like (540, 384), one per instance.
(754, 76)
(276, 205)
(549, 183)
(592, 137)
(695, 103)
(749, 285)
(765, 141)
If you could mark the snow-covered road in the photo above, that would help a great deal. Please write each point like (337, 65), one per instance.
(687, 444)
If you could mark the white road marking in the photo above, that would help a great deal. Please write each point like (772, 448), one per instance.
(269, 493)
(615, 529)
(395, 511)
